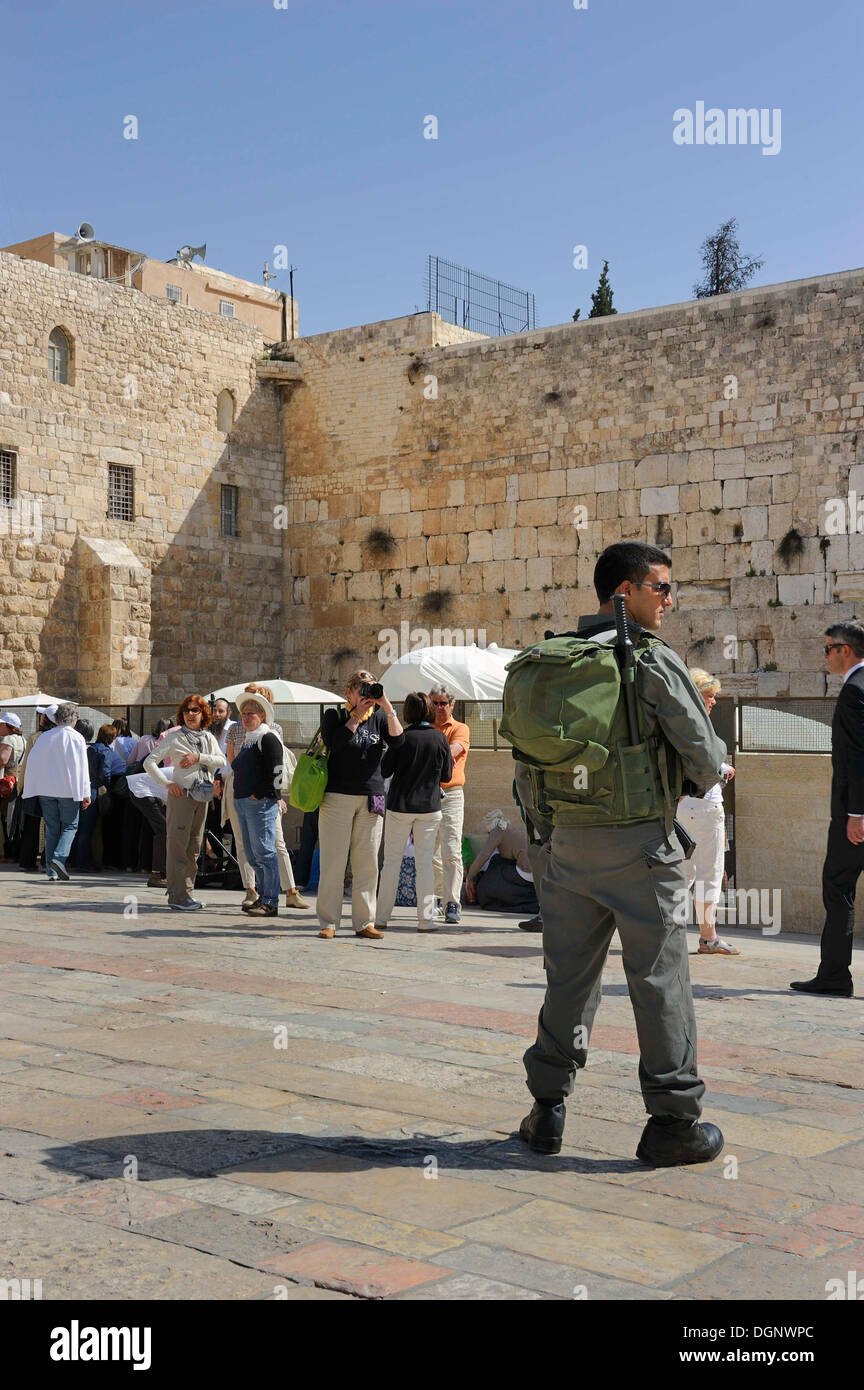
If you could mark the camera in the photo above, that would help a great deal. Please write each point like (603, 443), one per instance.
(372, 690)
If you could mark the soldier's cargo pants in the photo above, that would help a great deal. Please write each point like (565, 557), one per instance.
(598, 879)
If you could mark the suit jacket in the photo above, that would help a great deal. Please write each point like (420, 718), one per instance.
(847, 749)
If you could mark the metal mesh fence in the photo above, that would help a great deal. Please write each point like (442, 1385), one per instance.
(785, 726)
(477, 302)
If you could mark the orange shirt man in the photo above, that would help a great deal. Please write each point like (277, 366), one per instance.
(448, 853)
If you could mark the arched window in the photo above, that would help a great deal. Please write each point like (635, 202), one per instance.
(224, 411)
(59, 354)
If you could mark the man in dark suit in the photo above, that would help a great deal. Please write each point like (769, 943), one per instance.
(844, 860)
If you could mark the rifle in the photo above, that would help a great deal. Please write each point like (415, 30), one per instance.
(627, 662)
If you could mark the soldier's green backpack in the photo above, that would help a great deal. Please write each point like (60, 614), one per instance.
(565, 717)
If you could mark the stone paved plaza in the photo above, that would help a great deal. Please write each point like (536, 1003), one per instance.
(194, 1107)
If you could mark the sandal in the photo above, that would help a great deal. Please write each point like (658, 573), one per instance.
(717, 947)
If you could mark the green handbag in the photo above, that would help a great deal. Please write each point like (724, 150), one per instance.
(309, 782)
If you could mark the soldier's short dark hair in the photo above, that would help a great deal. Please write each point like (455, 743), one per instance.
(850, 632)
(626, 560)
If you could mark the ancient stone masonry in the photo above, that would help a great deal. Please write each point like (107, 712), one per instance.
(501, 467)
(128, 610)
(412, 472)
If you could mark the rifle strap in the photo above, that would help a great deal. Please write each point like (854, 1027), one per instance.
(668, 803)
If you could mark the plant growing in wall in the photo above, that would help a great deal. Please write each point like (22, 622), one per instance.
(791, 547)
(380, 541)
(416, 369)
(436, 601)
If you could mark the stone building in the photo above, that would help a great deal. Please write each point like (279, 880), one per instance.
(184, 508)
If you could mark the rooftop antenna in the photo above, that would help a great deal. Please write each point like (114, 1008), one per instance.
(269, 274)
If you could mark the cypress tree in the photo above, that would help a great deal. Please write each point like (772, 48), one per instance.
(601, 300)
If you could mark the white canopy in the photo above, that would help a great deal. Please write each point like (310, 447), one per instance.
(472, 673)
(30, 701)
(284, 692)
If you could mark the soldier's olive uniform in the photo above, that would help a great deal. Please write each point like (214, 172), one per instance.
(627, 876)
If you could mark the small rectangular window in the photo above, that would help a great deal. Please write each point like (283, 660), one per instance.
(229, 510)
(121, 492)
(8, 466)
(174, 292)
(226, 309)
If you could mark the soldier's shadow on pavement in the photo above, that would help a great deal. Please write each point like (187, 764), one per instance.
(210, 1153)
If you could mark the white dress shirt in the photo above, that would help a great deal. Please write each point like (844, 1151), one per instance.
(57, 765)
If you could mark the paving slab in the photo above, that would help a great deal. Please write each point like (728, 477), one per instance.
(159, 1145)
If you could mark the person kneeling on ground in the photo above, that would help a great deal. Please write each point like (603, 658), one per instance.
(500, 879)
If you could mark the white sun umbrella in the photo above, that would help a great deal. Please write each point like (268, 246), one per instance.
(297, 726)
(28, 701)
(471, 673)
(284, 692)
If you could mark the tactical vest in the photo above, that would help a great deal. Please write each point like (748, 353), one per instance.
(565, 716)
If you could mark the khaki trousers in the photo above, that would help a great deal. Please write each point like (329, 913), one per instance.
(346, 827)
(598, 879)
(449, 870)
(184, 833)
(397, 827)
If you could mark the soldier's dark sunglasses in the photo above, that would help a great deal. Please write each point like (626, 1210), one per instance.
(834, 647)
(665, 590)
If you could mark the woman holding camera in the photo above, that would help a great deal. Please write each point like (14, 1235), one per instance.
(351, 814)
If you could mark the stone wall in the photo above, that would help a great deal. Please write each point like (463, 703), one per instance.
(478, 456)
(142, 393)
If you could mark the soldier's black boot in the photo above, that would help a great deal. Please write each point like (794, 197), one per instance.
(664, 1144)
(542, 1129)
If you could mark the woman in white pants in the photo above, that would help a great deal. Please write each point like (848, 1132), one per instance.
(418, 766)
(704, 820)
(234, 741)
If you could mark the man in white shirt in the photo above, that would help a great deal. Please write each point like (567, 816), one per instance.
(57, 773)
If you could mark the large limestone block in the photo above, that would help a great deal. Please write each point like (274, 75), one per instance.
(796, 589)
(655, 501)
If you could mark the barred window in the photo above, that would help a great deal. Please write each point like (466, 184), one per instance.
(174, 292)
(58, 356)
(226, 309)
(230, 497)
(8, 467)
(121, 492)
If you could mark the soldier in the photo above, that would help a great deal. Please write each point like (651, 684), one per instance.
(613, 857)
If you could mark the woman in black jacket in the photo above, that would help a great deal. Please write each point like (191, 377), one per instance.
(351, 814)
(418, 765)
(257, 769)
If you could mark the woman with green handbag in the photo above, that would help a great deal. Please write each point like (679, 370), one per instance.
(351, 813)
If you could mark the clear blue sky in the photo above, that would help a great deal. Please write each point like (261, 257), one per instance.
(304, 126)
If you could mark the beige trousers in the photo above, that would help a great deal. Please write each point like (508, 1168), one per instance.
(449, 870)
(346, 827)
(397, 827)
(185, 831)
